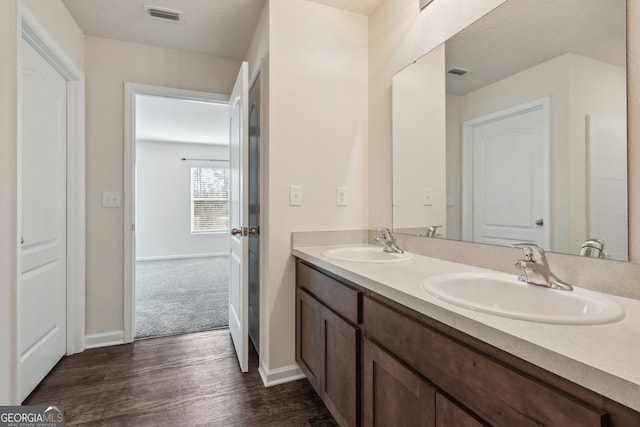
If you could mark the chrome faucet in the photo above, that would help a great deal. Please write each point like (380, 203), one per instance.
(432, 231)
(535, 268)
(593, 248)
(388, 241)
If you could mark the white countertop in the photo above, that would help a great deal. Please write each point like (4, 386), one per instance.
(602, 358)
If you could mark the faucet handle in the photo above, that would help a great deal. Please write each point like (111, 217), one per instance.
(532, 252)
(386, 232)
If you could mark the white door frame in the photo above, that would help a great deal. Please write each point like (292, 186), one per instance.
(467, 164)
(34, 34)
(129, 196)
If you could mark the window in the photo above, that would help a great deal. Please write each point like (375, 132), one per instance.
(209, 200)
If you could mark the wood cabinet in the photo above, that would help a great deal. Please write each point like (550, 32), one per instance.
(393, 394)
(328, 345)
(376, 362)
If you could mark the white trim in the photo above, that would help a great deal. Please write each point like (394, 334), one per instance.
(168, 257)
(34, 34)
(467, 164)
(129, 196)
(105, 339)
(271, 377)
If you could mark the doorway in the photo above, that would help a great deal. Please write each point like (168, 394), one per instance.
(179, 260)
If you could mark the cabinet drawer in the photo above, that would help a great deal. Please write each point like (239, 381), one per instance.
(494, 391)
(341, 298)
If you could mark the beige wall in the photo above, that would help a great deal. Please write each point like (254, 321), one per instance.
(317, 139)
(55, 21)
(110, 63)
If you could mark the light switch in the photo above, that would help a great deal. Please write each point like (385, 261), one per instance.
(428, 196)
(110, 199)
(451, 200)
(342, 196)
(295, 195)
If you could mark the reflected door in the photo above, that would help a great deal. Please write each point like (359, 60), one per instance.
(505, 196)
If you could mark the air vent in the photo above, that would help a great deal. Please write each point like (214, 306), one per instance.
(457, 71)
(159, 12)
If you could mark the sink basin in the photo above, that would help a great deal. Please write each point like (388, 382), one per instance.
(372, 254)
(504, 295)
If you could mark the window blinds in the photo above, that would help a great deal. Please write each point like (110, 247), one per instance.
(209, 200)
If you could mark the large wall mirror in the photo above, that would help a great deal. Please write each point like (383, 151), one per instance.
(515, 130)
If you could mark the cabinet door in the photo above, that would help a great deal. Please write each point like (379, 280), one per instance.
(394, 395)
(340, 360)
(449, 414)
(308, 337)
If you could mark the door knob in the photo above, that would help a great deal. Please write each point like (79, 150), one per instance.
(236, 231)
(540, 221)
(254, 231)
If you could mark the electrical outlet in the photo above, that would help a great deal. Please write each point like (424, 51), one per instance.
(295, 195)
(110, 199)
(428, 196)
(342, 196)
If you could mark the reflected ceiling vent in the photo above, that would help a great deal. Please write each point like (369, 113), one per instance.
(457, 71)
(162, 13)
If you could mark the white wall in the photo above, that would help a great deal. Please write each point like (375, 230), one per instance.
(317, 139)
(58, 24)
(163, 200)
(110, 63)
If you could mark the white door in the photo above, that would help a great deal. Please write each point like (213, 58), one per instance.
(42, 288)
(508, 177)
(239, 218)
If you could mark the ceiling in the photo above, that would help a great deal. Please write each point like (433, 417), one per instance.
(165, 119)
(214, 27)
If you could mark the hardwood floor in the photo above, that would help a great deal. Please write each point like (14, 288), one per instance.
(185, 380)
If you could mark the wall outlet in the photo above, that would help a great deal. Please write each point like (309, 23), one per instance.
(342, 196)
(427, 196)
(295, 195)
(110, 199)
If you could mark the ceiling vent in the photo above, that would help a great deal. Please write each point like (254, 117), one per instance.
(456, 71)
(162, 13)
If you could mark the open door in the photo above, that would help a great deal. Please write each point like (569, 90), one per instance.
(239, 218)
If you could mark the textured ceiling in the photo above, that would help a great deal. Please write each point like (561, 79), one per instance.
(214, 27)
(522, 33)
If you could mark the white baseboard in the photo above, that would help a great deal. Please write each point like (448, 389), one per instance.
(271, 377)
(166, 257)
(105, 339)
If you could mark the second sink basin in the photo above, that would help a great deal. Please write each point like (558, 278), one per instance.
(504, 295)
(366, 253)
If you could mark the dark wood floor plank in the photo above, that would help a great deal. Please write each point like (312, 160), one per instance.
(191, 379)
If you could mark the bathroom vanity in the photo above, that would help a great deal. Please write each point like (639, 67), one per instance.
(380, 351)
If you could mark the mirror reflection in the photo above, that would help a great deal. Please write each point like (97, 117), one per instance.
(514, 131)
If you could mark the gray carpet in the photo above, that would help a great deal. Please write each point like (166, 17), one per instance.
(181, 295)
